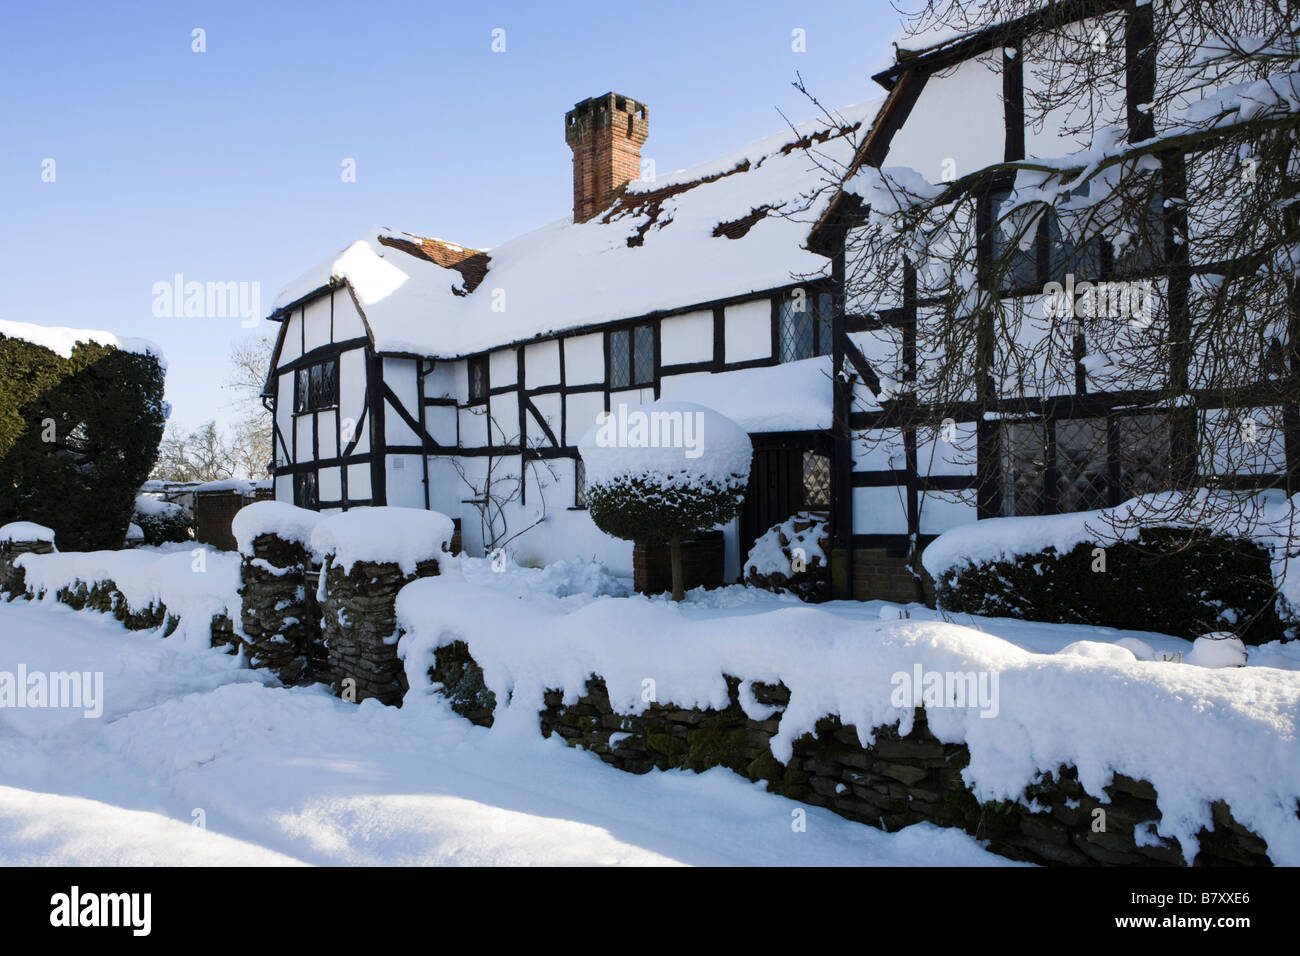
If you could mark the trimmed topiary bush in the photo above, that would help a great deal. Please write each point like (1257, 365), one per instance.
(658, 474)
(78, 436)
(1171, 580)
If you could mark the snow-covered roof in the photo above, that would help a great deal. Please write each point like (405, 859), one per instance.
(243, 486)
(734, 225)
(60, 339)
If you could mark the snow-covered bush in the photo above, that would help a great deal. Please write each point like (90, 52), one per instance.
(1221, 649)
(660, 473)
(162, 521)
(80, 423)
(791, 556)
(1176, 581)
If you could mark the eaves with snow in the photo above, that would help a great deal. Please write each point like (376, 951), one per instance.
(725, 228)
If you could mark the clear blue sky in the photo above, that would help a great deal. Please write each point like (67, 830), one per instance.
(225, 165)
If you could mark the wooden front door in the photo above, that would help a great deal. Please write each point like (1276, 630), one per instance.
(788, 473)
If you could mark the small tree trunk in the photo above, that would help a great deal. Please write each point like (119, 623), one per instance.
(675, 552)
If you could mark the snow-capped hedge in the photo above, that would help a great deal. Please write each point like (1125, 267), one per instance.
(162, 522)
(1118, 567)
(81, 416)
(401, 536)
(25, 532)
(1198, 735)
(193, 585)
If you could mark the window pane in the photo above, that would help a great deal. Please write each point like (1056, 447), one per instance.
(1081, 471)
(478, 379)
(330, 383)
(580, 483)
(1016, 266)
(1024, 460)
(300, 390)
(816, 480)
(315, 388)
(644, 354)
(1143, 454)
(1066, 258)
(824, 308)
(304, 489)
(620, 359)
(795, 335)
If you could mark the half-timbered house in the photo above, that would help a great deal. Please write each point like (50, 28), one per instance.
(413, 371)
(1022, 442)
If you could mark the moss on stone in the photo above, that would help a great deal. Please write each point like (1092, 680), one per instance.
(716, 747)
(665, 744)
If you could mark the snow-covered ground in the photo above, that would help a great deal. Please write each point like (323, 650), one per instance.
(279, 775)
(282, 776)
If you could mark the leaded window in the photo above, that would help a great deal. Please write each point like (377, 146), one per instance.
(1143, 454)
(305, 494)
(478, 379)
(631, 356)
(816, 480)
(316, 386)
(579, 483)
(804, 327)
(1082, 464)
(643, 354)
(1024, 464)
(1015, 247)
(1082, 476)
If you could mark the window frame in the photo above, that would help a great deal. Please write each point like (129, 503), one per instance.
(820, 309)
(302, 391)
(302, 480)
(1049, 473)
(644, 330)
(579, 484)
(481, 363)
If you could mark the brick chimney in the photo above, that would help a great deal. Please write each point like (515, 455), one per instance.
(606, 134)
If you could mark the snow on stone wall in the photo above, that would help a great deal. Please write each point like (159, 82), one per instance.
(1195, 735)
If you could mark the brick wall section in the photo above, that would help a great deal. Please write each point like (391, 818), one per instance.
(703, 564)
(894, 783)
(606, 134)
(879, 576)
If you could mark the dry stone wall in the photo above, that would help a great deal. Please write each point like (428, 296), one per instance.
(897, 781)
(279, 617)
(11, 576)
(360, 628)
